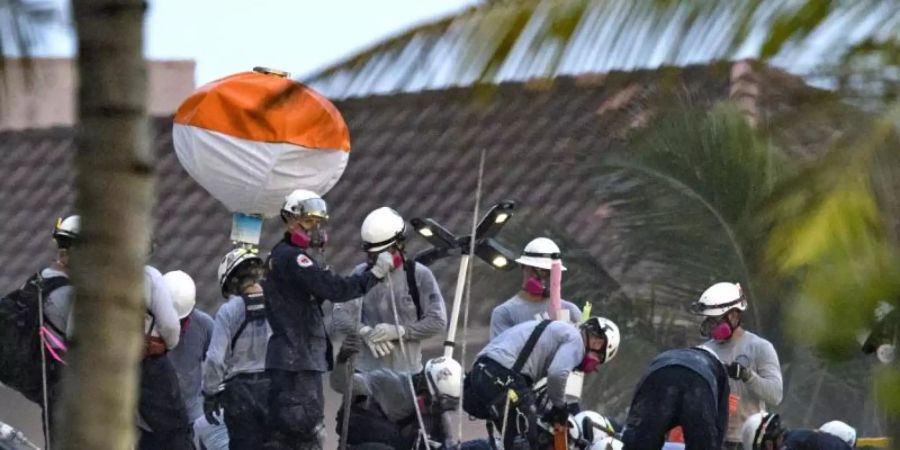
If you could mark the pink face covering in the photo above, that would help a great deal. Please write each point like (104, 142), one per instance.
(534, 286)
(589, 363)
(398, 260)
(722, 331)
(301, 239)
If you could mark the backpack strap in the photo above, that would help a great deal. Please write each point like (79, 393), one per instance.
(254, 310)
(409, 266)
(529, 346)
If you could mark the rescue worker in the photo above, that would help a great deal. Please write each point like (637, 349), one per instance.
(383, 409)
(57, 296)
(188, 356)
(163, 417)
(686, 387)
(751, 361)
(764, 431)
(237, 354)
(420, 305)
(533, 299)
(523, 354)
(299, 351)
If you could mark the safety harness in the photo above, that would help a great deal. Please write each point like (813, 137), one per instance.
(254, 311)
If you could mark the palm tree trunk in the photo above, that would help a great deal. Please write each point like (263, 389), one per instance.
(113, 167)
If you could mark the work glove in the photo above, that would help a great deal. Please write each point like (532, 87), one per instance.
(387, 332)
(738, 371)
(384, 263)
(378, 349)
(557, 416)
(212, 404)
(351, 346)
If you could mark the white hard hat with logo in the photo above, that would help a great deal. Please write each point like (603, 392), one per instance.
(539, 253)
(382, 229)
(232, 261)
(444, 376)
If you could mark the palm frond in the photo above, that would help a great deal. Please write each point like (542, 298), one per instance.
(518, 40)
(681, 198)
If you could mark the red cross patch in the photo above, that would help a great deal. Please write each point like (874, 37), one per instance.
(304, 261)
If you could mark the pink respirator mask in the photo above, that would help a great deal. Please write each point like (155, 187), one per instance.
(718, 329)
(535, 286)
(589, 363)
(317, 239)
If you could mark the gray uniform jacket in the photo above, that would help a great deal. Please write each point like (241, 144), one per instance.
(387, 388)
(159, 303)
(559, 350)
(763, 390)
(517, 310)
(58, 304)
(377, 309)
(249, 352)
(188, 361)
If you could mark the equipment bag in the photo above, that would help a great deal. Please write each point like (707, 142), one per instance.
(20, 342)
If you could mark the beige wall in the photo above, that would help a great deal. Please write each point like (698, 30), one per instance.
(45, 96)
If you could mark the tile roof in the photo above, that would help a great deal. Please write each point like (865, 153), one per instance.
(417, 152)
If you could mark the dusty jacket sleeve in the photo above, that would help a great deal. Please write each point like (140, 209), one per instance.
(338, 379)
(765, 382)
(434, 314)
(326, 285)
(163, 309)
(219, 350)
(343, 317)
(499, 320)
(568, 356)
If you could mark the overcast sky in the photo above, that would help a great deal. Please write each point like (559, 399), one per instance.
(300, 36)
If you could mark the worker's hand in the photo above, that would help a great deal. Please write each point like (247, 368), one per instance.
(557, 416)
(738, 371)
(351, 346)
(154, 346)
(384, 263)
(387, 332)
(380, 349)
(212, 404)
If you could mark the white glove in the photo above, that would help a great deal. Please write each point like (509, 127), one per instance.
(378, 349)
(383, 264)
(387, 332)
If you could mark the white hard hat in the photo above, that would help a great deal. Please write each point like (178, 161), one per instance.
(184, 292)
(382, 229)
(67, 229)
(606, 327)
(719, 299)
(539, 253)
(601, 427)
(607, 443)
(232, 261)
(444, 377)
(304, 203)
(841, 430)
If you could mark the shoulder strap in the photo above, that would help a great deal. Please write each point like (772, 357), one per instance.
(409, 266)
(529, 346)
(47, 286)
(254, 310)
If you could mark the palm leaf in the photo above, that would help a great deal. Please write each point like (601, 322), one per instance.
(682, 199)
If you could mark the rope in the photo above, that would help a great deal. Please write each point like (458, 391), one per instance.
(45, 403)
(468, 293)
(348, 383)
(412, 389)
(506, 418)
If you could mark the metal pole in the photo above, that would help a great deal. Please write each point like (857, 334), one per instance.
(348, 383)
(457, 303)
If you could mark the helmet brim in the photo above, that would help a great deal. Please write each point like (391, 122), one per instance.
(540, 263)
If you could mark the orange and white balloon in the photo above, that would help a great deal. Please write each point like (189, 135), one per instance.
(252, 138)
